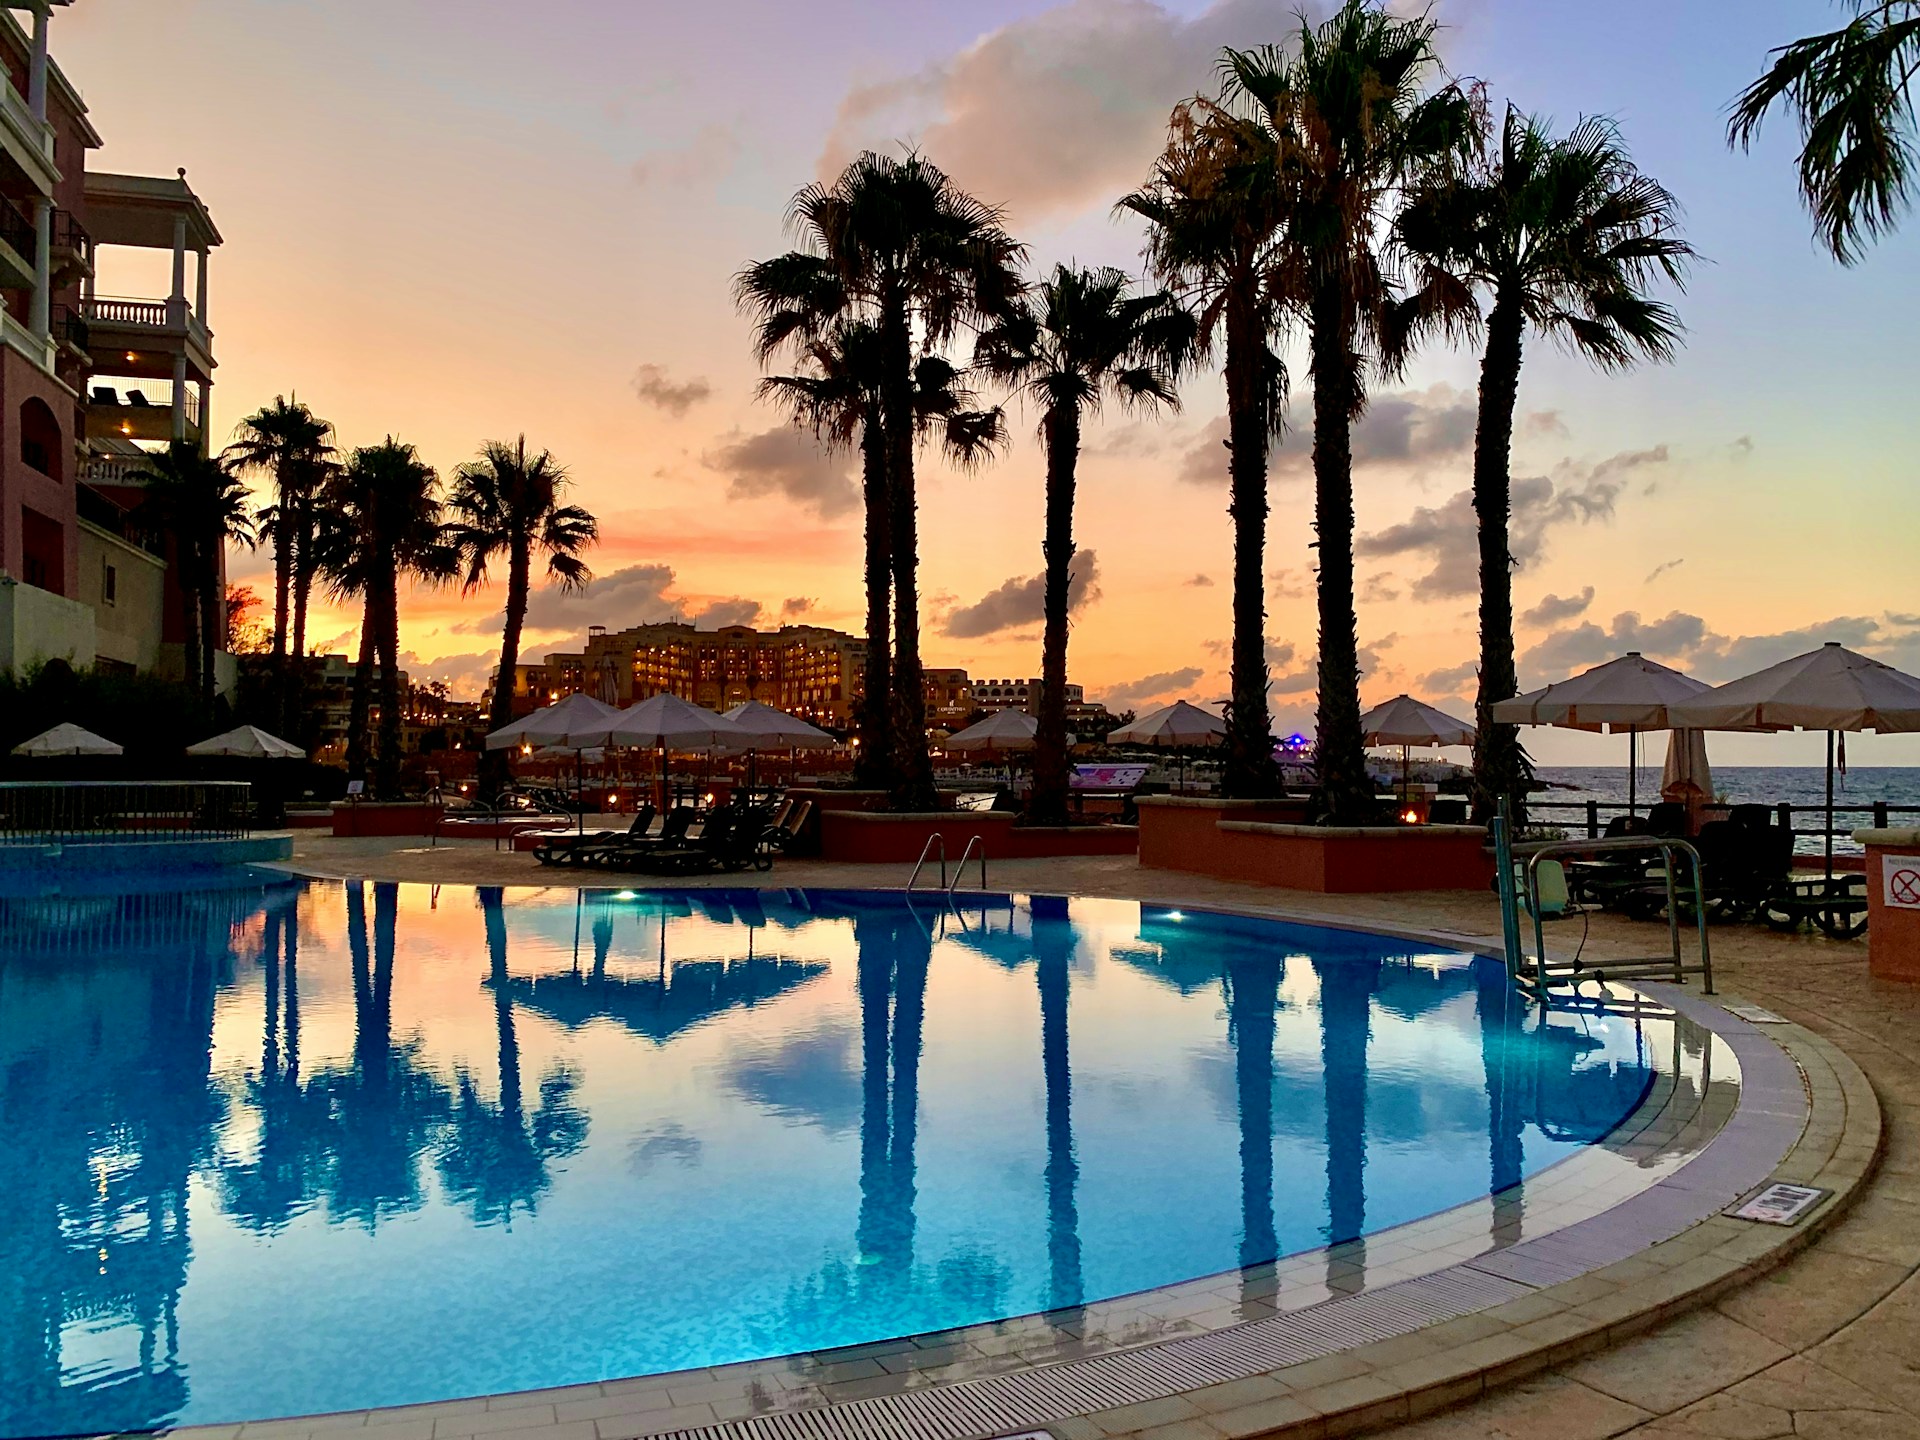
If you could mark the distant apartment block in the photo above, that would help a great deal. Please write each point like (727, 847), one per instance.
(996, 695)
(90, 382)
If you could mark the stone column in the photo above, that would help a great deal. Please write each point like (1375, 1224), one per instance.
(37, 65)
(200, 301)
(206, 418)
(177, 297)
(40, 312)
(180, 396)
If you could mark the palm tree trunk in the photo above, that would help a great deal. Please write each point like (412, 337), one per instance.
(282, 581)
(1048, 803)
(1346, 794)
(211, 610)
(913, 773)
(1249, 771)
(494, 770)
(187, 572)
(293, 693)
(387, 761)
(362, 693)
(1497, 757)
(874, 766)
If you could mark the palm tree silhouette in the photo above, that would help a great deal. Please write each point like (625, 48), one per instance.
(291, 445)
(509, 503)
(198, 500)
(1851, 89)
(1347, 986)
(897, 244)
(1350, 124)
(1563, 237)
(1053, 954)
(382, 523)
(496, 1158)
(1080, 337)
(1216, 216)
(1251, 979)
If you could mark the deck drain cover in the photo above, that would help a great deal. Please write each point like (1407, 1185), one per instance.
(1780, 1204)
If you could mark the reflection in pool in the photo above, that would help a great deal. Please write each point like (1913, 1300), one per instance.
(298, 1146)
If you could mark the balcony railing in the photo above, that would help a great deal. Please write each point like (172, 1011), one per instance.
(107, 310)
(112, 470)
(71, 236)
(16, 229)
(69, 326)
(97, 510)
(38, 132)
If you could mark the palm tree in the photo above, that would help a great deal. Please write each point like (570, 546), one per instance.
(1216, 217)
(382, 522)
(1564, 237)
(199, 501)
(1351, 124)
(509, 503)
(897, 244)
(837, 396)
(1081, 336)
(1852, 91)
(288, 443)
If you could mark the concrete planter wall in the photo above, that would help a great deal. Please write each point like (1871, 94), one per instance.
(1893, 931)
(384, 817)
(1234, 841)
(877, 838)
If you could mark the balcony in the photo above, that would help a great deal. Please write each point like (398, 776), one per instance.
(16, 247)
(117, 520)
(26, 141)
(119, 470)
(140, 412)
(69, 329)
(72, 246)
(141, 337)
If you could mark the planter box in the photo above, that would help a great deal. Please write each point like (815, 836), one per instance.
(1370, 860)
(384, 817)
(881, 838)
(1893, 929)
(1180, 832)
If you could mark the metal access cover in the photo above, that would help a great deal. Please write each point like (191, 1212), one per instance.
(1780, 1204)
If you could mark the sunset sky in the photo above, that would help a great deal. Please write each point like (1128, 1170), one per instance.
(455, 220)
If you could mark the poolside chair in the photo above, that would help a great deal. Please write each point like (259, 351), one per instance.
(566, 849)
(134, 397)
(104, 395)
(607, 853)
(730, 841)
(788, 826)
(1668, 819)
(1549, 898)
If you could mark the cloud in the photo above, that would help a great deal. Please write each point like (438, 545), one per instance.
(1544, 423)
(709, 156)
(1287, 584)
(465, 675)
(1446, 535)
(1553, 609)
(1662, 568)
(1412, 428)
(1205, 460)
(1149, 687)
(788, 462)
(796, 605)
(1740, 449)
(1451, 680)
(1379, 588)
(1688, 642)
(1200, 582)
(654, 387)
(1058, 112)
(1021, 601)
(635, 595)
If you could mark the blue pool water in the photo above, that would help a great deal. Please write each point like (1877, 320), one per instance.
(295, 1146)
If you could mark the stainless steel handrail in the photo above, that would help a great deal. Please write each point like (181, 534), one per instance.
(960, 870)
(936, 838)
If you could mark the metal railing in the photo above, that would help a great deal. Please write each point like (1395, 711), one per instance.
(61, 812)
(17, 230)
(69, 326)
(70, 234)
(1595, 813)
(960, 870)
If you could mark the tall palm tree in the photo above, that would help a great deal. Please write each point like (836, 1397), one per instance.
(1563, 237)
(837, 396)
(1352, 122)
(1216, 216)
(509, 503)
(289, 444)
(1852, 91)
(382, 524)
(1078, 338)
(897, 244)
(198, 500)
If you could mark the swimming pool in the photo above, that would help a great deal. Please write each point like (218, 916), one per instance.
(293, 1146)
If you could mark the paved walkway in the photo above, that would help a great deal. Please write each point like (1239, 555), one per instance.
(1826, 1346)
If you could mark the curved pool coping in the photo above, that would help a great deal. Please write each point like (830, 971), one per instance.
(1395, 1326)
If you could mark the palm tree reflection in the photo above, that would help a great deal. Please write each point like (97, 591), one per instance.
(1252, 983)
(1053, 950)
(496, 1157)
(1346, 1026)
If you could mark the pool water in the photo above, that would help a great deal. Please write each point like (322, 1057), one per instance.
(296, 1146)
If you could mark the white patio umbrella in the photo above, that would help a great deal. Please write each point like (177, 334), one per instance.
(67, 739)
(665, 722)
(1631, 693)
(1173, 727)
(1406, 722)
(1002, 730)
(250, 742)
(554, 724)
(773, 729)
(1831, 689)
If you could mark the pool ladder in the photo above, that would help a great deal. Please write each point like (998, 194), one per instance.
(938, 842)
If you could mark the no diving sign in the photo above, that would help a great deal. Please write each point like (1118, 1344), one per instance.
(1901, 877)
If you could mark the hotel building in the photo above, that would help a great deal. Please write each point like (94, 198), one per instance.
(89, 382)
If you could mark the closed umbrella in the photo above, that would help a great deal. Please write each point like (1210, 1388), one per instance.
(251, 743)
(67, 739)
(1406, 722)
(1831, 689)
(1631, 693)
(1687, 779)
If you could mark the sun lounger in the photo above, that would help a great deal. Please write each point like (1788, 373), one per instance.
(605, 853)
(567, 849)
(730, 840)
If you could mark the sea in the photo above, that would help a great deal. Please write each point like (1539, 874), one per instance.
(1797, 785)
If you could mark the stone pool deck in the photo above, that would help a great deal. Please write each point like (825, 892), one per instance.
(1825, 1344)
